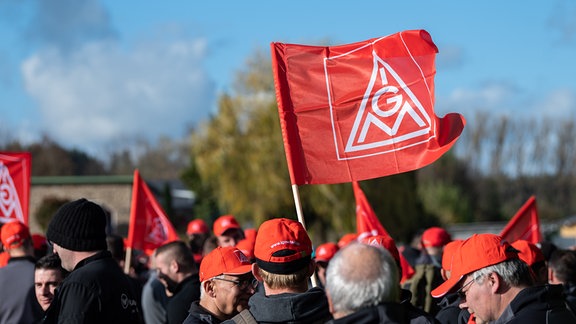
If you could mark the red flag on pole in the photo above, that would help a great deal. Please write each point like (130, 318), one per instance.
(368, 224)
(15, 174)
(149, 226)
(360, 111)
(525, 225)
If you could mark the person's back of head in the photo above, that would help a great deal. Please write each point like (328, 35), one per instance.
(361, 276)
(16, 239)
(115, 245)
(283, 253)
(562, 267)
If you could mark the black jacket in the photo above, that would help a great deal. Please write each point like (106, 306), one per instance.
(449, 309)
(198, 314)
(186, 292)
(391, 313)
(535, 305)
(96, 291)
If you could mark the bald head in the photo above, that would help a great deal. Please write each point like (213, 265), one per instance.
(361, 276)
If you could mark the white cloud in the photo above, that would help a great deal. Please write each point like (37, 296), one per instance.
(100, 93)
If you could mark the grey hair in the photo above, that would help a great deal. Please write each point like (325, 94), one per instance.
(514, 273)
(202, 291)
(360, 276)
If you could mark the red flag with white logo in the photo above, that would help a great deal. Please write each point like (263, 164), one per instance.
(360, 111)
(524, 225)
(149, 226)
(15, 172)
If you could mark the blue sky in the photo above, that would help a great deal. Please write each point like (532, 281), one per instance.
(97, 74)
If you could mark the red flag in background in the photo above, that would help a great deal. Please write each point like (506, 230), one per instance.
(525, 225)
(14, 186)
(360, 111)
(149, 226)
(368, 224)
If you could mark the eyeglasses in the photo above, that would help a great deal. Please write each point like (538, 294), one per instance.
(461, 293)
(242, 284)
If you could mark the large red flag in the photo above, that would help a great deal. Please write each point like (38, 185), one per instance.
(149, 226)
(367, 225)
(360, 111)
(14, 186)
(525, 225)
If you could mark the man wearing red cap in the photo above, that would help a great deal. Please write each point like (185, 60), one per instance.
(324, 252)
(495, 285)
(227, 230)
(226, 286)
(17, 299)
(284, 265)
(197, 232)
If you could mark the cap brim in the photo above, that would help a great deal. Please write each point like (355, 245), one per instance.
(243, 269)
(446, 286)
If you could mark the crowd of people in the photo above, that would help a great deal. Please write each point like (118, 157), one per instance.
(273, 274)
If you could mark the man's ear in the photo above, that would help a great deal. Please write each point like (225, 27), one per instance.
(256, 272)
(312, 267)
(208, 287)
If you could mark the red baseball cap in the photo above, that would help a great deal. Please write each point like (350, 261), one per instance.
(435, 237)
(325, 251)
(528, 252)
(39, 241)
(282, 246)
(197, 226)
(224, 260)
(448, 254)
(347, 238)
(385, 242)
(246, 245)
(477, 252)
(14, 233)
(224, 223)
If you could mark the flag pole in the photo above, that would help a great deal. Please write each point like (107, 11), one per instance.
(128, 260)
(296, 194)
(298, 205)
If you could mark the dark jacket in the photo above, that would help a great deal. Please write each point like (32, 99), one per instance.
(570, 295)
(185, 293)
(198, 314)
(535, 305)
(384, 313)
(415, 314)
(308, 307)
(449, 309)
(96, 291)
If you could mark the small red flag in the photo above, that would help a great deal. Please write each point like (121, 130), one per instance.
(15, 174)
(149, 226)
(360, 111)
(368, 224)
(525, 225)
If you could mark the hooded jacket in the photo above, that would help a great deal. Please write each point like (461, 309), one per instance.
(308, 307)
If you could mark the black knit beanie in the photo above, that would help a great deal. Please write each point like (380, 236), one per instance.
(79, 225)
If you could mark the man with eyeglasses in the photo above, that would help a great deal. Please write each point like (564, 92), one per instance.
(496, 286)
(179, 273)
(226, 286)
